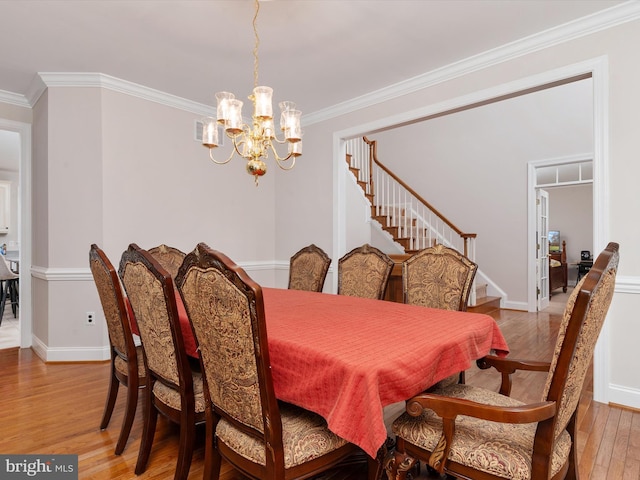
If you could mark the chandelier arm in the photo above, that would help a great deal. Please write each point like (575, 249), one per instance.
(284, 167)
(281, 142)
(219, 162)
(237, 145)
(280, 160)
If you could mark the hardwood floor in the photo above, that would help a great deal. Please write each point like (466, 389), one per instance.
(56, 408)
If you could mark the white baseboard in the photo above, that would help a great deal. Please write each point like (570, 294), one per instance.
(511, 305)
(620, 395)
(70, 354)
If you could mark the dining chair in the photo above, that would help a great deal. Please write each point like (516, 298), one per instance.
(308, 269)
(127, 359)
(477, 433)
(438, 277)
(170, 258)
(246, 425)
(9, 287)
(364, 272)
(173, 389)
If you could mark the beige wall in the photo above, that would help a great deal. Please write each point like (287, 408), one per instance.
(111, 168)
(472, 166)
(617, 44)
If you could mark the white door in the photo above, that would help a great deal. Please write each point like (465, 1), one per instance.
(542, 248)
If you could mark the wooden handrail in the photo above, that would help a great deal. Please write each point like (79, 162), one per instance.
(373, 157)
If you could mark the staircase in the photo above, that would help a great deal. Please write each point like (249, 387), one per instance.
(410, 220)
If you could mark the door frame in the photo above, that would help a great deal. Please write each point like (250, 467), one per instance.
(24, 236)
(599, 70)
(542, 249)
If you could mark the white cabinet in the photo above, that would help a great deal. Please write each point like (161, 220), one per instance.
(5, 210)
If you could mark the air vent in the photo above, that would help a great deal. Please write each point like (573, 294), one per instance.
(198, 133)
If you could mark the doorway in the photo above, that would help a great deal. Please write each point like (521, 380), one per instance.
(597, 70)
(562, 202)
(21, 133)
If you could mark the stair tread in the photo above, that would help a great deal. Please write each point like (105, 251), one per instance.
(483, 300)
(485, 305)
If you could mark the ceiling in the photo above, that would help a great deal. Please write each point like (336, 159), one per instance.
(317, 53)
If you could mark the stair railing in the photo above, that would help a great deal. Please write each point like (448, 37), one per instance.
(420, 225)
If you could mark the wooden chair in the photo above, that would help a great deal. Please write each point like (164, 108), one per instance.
(170, 258)
(308, 269)
(476, 433)
(438, 277)
(127, 360)
(172, 388)
(8, 287)
(364, 272)
(246, 425)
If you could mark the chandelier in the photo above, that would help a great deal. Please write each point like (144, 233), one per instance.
(255, 142)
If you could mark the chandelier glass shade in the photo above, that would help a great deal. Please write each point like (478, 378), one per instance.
(255, 142)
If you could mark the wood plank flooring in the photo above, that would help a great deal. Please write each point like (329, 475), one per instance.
(56, 408)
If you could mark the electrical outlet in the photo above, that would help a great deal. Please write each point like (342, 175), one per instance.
(91, 319)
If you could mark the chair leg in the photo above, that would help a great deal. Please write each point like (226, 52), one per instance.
(148, 431)
(130, 413)
(209, 438)
(114, 385)
(185, 450)
(3, 296)
(14, 296)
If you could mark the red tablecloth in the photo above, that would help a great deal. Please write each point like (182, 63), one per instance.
(346, 358)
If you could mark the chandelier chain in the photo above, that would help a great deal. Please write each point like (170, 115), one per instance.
(255, 48)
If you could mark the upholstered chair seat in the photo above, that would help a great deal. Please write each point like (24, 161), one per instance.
(305, 436)
(501, 449)
(121, 365)
(171, 397)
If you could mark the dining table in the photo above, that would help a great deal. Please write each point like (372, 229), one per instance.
(347, 358)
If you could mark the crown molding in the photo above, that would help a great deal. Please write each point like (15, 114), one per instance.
(614, 16)
(14, 99)
(611, 17)
(83, 79)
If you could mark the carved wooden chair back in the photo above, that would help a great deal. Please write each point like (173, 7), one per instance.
(127, 360)
(173, 389)
(170, 258)
(364, 272)
(308, 269)
(255, 433)
(438, 277)
(476, 433)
